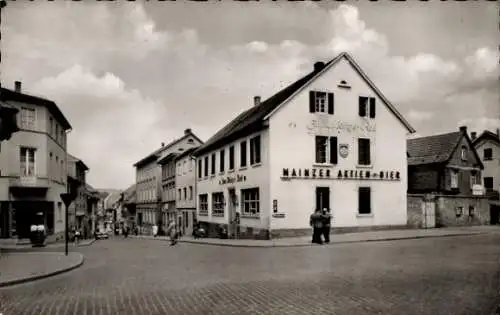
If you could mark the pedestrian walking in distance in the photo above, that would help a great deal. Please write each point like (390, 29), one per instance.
(317, 224)
(155, 230)
(327, 222)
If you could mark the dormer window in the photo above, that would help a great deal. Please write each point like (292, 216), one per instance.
(190, 141)
(321, 102)
(463, 153)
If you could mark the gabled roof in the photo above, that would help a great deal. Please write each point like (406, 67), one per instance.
(437, 148)
(10, 95)
(157, 153)
(129, 194)
(253, 119)
(169, 157)
(185, 153)
(74, 159)
(487, 135)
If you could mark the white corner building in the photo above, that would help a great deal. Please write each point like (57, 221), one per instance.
(329, 140)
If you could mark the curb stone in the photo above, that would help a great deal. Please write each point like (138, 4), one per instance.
(36, 249)
(43, 276)
(273, 244)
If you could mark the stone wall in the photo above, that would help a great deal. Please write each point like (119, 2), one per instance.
(446, 210)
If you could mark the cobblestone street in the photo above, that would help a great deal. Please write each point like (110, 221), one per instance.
(452, 275)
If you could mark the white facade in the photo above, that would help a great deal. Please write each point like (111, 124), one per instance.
(491, 162)
(289, 174)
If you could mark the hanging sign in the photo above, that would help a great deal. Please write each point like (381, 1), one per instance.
(320, 173)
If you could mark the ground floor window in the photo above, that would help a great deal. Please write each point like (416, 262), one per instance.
(322, 198)
(218, 204)
(364, 200)
(488, 183)
(203, 204)
(250, 202)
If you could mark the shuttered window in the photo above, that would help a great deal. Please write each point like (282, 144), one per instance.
(364, 152)
(321, 102)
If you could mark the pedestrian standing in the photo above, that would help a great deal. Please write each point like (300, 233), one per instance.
(327, 221)
(172, 232)
(317, 225)
(77, 237)
(155, 230)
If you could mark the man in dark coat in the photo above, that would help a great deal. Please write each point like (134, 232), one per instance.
(317, 224)
(327, 222)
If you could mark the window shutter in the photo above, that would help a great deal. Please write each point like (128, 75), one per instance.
(330, 104)
(360, 151)
(367, 152)
(333, 150)
(327, 198)
(317, 147)
(362, 106)
(312, 102)
(372, 107)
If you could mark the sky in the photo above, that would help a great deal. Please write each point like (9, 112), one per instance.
(130, 75)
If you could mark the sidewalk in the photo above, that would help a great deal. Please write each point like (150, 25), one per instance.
(373, 236)
(6, 247)
(16, 268)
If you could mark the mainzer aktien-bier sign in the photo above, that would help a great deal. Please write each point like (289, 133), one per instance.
(321, 173)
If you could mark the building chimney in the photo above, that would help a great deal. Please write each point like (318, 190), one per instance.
(163, 144)
(187, 131)
(256, 100)
(17, 86)
(473, 135)
(319, 66)
(463, 128)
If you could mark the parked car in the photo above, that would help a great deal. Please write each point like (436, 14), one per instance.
(101, 235)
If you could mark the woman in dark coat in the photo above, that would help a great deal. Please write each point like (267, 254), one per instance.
(327, 221)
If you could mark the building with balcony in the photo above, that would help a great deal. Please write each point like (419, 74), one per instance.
(168, 195)
(149, 181)
(33, 166)
(329, 140)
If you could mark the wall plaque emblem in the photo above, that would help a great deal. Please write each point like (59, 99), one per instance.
(344, 150)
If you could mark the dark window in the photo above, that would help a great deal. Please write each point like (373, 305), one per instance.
(364, 152)
(203, 203)
(333, 150)
(213, 164)
(221, 160)
(231, 157)
(321, 145)
(218, 204)
(364, 199)
(206, 166)
(321, 102)
(367, 106)
(488, 154)
(199, 169)
(255, 150)
(322, 198)
(488, 182)
(243, 153)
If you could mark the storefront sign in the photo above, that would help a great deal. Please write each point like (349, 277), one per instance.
(344, 150)
(232, 179)
(320, 173)
(327, 126)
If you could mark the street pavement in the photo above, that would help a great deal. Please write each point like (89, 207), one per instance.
(452, 275)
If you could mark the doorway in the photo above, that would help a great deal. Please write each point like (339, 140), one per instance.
(322, 198)
(231, 211)
(494, 214)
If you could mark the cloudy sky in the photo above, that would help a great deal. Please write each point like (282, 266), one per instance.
(129, 76)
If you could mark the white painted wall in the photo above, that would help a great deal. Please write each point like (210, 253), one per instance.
(256, 176)
(185, 177)
(492, 167)
(291, 145)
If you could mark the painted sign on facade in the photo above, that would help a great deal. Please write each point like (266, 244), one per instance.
(232, 179)
(327, 126)
(320, 173)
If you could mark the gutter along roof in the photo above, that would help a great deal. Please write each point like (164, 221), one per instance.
(252, 119)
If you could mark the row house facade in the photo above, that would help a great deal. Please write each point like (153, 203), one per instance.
(78, 214)
(185, 186)
(149, 205)
(330, 140)
(33, 166)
